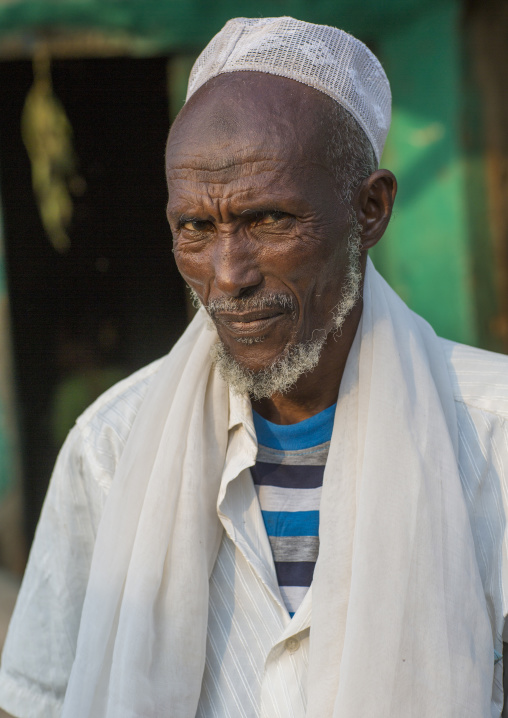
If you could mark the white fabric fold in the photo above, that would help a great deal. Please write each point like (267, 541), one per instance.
(399, 621)
(142, 638)
(398, 605)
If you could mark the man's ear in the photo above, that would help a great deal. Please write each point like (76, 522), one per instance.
(373, 205)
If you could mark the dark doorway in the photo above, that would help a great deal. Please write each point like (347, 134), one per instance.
(114, 301)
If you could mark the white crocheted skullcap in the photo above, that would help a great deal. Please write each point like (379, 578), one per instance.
(323, 57)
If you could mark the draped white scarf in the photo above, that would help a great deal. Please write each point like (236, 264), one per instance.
(399, 622)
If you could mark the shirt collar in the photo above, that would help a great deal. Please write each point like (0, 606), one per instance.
(240, 412)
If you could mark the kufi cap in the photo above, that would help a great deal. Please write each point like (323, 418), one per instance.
(323, 57)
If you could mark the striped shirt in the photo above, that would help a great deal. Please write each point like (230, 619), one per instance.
(256, 655)
(288, 476)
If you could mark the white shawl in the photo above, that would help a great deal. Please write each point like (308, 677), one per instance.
(399, 622)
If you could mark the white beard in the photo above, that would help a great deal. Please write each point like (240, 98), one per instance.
(302, 358)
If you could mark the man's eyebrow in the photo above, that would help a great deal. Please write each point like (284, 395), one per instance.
(260, 210)
(182, 218)
(249, 212)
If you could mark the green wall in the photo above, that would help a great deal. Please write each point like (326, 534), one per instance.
(184, 24)
(7, 429)
(426, 254)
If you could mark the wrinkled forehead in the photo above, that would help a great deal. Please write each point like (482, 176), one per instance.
(241, 116)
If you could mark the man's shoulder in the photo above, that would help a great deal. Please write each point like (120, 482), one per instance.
(106, 424)
(118, 402)
(479, 377)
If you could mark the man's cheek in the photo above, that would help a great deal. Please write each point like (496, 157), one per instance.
(192, 271)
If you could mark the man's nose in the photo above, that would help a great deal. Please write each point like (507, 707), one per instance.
(236, 267)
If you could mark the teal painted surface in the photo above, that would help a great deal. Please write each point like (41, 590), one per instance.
(425, 254)
(7, 473)
(190, 23)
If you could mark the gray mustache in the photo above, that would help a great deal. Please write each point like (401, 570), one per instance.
(284, 302)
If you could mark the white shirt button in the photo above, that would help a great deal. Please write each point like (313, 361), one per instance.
(292, 644)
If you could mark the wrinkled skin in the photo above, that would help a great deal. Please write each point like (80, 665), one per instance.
(254, 210)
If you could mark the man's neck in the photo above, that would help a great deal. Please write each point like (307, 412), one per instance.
(319, 389)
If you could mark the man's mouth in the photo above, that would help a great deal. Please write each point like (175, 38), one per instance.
(247, 323)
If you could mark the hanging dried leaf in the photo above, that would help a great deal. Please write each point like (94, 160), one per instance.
(47, 135)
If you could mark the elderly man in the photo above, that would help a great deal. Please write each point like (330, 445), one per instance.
(301, 510)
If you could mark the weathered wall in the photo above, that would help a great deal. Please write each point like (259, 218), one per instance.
(6, 447)
(487, 37)
(12, 552)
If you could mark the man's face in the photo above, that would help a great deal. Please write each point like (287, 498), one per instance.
(259, 231)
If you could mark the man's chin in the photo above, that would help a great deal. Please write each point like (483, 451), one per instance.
(268, 374)
(255, 355)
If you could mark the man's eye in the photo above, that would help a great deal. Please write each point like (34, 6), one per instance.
(195, 225)
(270, 217)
